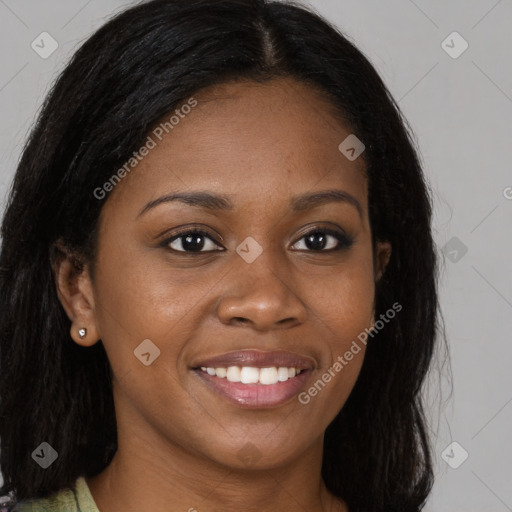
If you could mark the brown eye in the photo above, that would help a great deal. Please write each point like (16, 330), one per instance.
(192, 241)
(326, 240)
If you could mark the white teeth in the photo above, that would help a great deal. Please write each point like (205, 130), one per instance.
(249, 375)
(221, 372)
(282, 373)
(269, 375)
(233, 374)
(252, 375)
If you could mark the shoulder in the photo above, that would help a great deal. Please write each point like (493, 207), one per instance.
(63, 501)
(76, 499)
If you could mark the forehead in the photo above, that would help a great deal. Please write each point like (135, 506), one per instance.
(252, 141)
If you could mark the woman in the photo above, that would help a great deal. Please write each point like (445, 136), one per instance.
(218, 274)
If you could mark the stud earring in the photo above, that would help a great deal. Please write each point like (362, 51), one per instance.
(82, 332)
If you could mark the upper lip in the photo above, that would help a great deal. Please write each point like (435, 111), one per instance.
(258, 359)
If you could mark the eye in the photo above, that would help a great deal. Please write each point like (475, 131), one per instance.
(199, 240)
(318, 240)
(193, 240)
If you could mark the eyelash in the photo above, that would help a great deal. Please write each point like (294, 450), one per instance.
(344, 241)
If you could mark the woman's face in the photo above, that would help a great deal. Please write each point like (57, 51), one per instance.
(254, 283)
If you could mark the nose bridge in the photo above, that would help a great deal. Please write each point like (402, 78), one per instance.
(260, 291)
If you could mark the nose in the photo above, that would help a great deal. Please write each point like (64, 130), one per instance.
(261, 296)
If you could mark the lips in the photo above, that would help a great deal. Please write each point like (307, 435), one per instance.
(256, 392)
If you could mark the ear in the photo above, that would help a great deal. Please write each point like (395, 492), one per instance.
(75, 292)
(382, 258)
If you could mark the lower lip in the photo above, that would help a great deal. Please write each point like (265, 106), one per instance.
(256, 396)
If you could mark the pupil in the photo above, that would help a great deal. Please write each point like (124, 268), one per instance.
(191, 240)
(315, 241)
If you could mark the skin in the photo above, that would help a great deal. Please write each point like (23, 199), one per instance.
(179, 442)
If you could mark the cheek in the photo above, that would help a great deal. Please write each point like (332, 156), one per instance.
(345, 310)
(346, 317)
(346, 300)
(139, 298)
(137, 292)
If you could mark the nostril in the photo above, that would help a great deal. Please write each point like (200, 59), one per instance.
(286, 320)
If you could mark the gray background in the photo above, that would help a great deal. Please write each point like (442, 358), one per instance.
(461, 111)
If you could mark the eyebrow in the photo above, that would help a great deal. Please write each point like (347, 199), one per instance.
(216, 202)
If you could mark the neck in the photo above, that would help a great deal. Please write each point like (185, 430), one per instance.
(147, 473)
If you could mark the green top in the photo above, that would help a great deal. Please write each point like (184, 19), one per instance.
(77, 499)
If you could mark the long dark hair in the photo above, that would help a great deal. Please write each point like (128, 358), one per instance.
(138, 67)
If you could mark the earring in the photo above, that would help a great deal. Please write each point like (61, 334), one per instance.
(82, 332)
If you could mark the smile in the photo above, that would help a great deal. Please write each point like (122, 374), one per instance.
(254, 378)
(252, 375)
